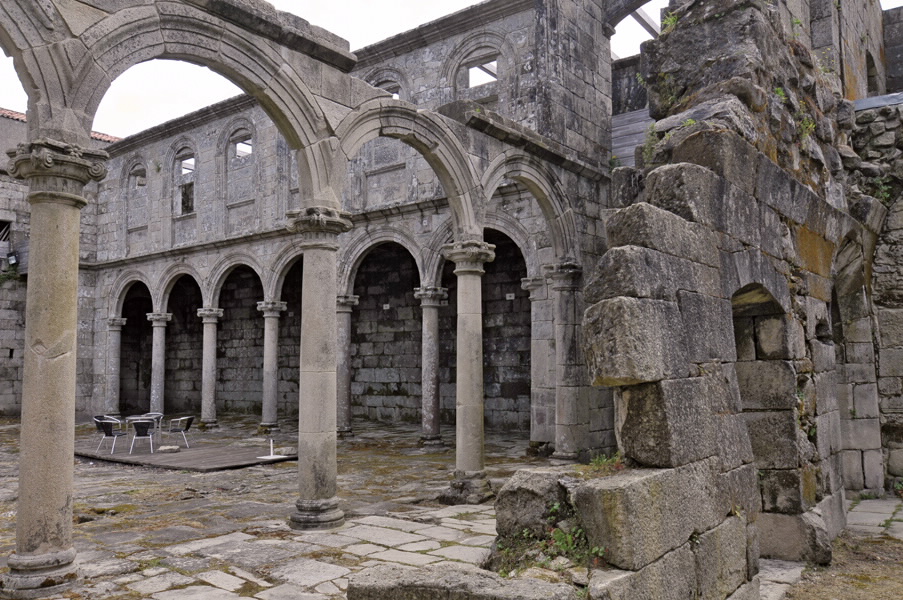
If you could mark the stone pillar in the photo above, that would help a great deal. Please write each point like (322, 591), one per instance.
(269, 420)
(344, 305)
(470, 485)
(317, 507)
(43, 563)
(542, 363)
(431, 298)
(114, 363)
(210, 317)
(158, 359)
(571, 414)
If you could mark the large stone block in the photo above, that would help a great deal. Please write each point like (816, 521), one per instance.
(861, 434)
(641, 515)
(774, 438)
(721, 560)
(669, 578)
(788, 491)
(668, 423)
(873, 469)
(708, 325)
(686, 190)
(853, 477)
(523, 502)
(890, 325)
(630, 340)
(652, 227)
(725, 153)
(740, 491)
(436, 582)
(779, 337)
(767, 384)
(794, 537)
(734, 447)
(644, 273)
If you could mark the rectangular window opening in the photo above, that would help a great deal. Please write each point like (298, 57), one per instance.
(483, 73)
(187, 198)
(5, 229)
(187, 165)
(243, 149)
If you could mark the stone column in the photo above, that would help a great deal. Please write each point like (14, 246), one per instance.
(269, 420)
(431, 298)
(344, 305)
(470, 485)
(542, 363)
(317, 507)
(571, 415)
(158, 359)
(210, 318)
(43, 563)
(114, 363)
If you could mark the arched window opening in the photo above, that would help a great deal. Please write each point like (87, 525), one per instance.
(483, 72)
(186, 164)
(392, 87)
(137, 177)
(241, 144)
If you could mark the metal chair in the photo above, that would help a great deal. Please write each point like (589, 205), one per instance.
(181, 425)
(106, 426)
(143, 430)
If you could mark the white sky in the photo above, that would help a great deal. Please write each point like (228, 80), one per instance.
(156, 91)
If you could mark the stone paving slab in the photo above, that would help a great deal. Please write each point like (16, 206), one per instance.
(887, 506)
(406, 558)
(382, 535)
(197, 545)
(289, 592)
(896, 530)
(869, 519)
(305, 572)
(222, 580)
(196, 592)
(159, 583)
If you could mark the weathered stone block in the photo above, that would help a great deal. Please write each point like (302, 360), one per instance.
(767, 384)
(669, 578)
(523, 502)
(865, 401)
(640, 515)
(895, 463)
(433, 583)
(740, 491)
(734, 446)
(853, 477)
(652, 227)
(774, 438)
(721, 560)
(862, 434)
(788, 491)
(794, 537)
(873, 469)
(823, 356)
(630, 340)
(708, 324)
(668, 423)
(747, 591)
(779, 337)
(725, 153)
(686, 190)
(891, 363)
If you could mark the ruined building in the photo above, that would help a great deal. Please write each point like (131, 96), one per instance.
(437, 229)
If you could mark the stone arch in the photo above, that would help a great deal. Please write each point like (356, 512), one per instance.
(356, 250)
(120, 288)
(229, 132)
(545, 189)
(432, 258)
(512, 228)
(223, 268)
(203, 37)
(618, 10)
(478, 44)
(382, 75)
(430, 135)
(171, 275)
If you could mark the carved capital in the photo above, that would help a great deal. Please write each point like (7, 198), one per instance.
(210, 315)
(318, 225)
(536, 286)
(159, 319)
(115, 323)
(56, 171)
(431, 295)
(565, 276)
(346, 303)
(469, 256)
(271, 310)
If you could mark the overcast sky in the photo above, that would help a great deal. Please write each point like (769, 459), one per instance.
(156, 91)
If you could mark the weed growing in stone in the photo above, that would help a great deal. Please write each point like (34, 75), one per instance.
(602, 466)
(669, 22)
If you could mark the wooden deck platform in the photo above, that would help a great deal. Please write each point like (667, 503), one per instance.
(203, 458)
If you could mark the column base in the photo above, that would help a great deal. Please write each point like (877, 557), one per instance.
(265, 428)
(345, 433)
(567, 457)
(40, 576)
(431, 440)
(317, 514)
(468, 487)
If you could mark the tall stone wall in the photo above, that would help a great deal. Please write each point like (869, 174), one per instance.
(13, 210)
(893, 48)
(240, 344)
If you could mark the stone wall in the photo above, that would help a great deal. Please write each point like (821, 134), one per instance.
(628, 91)
(893, 48)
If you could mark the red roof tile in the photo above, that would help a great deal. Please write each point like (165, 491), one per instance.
(17, 116)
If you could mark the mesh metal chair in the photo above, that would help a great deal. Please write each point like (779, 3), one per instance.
(106, 426)
(143, 430)
(181, 425)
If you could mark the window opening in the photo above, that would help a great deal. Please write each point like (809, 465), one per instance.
(187, 165)
(187, 198)
(391, 87)
(5, 228)
(243, 149)
(483, 73)
(137, 178)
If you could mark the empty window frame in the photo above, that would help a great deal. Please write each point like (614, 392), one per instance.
(392, 87)
(137, 177)
(186, 165)
(5, 229)
(482, 71)
(187, 197)
(241, 144)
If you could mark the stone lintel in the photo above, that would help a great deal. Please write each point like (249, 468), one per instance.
(469, 255)
(319, 226)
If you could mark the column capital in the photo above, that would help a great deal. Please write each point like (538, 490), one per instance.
(536, 286)
(210, 315)
(319, 226)
(566, 275)
(608, 31)
(52, 166)
(159, 319)
(346, 303)
(469, 255)
(431, 295)
(271, 309)
(116, 323)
